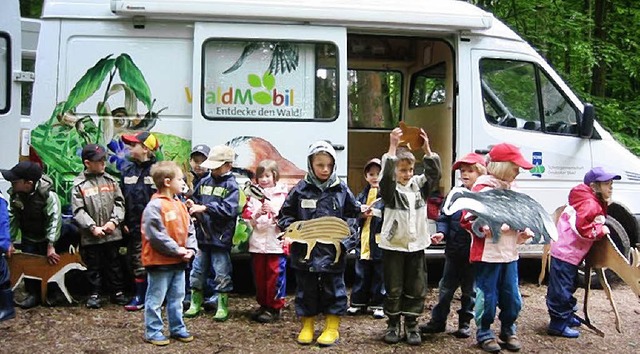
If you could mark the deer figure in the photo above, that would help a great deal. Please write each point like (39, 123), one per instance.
(35, 266)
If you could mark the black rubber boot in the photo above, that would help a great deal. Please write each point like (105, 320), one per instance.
(7, 311)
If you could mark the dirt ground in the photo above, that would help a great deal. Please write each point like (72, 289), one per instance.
(76, 329)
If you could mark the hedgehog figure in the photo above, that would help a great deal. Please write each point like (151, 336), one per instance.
(496, 207)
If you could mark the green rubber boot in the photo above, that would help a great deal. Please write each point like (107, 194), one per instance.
(222, 313)
(196, 304)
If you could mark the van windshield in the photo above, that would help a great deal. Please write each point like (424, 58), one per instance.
(274, 80)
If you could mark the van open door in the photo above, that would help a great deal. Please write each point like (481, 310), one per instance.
(269, 92)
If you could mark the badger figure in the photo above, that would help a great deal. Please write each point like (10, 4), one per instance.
(496, 207)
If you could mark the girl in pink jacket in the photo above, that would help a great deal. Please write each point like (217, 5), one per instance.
(580, 224)
(267, 252)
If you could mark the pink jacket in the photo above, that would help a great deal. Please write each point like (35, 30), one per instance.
(264, 238)
(580, 224)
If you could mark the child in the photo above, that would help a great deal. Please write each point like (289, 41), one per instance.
(34, 217)
(405, 235)
(168, 243)
(214, 204)
(368, 286)
(267, 255)
(320, 286)
(137, 187)
(98, 209)
(580, 224)
(496, 263)
(457, 270)
(7, 311)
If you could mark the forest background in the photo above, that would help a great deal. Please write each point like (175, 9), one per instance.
(593, 44)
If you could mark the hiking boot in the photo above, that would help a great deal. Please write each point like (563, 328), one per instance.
(378, 314)
(353, 310)
(432, 327)
(30, 301)
(184, 337)
(306, 333)
(93, 302)
(490, 345)
(330, 335)
(158, 340)
(411, 331)
(511, 343)
(392, 334)
(268, 316)
(119, 298)
(463, 331)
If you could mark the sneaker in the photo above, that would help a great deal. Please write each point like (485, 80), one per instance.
(135, 304)
(490, 345)
(511, 343)
(184, 337)
(94, 302)
(119, 298)
(158, 340)
(268, 316)
(432, 327)
(378, 314)
(352, 310)
(567, 332)
(462, 332)
(392, 335)
(257, 312)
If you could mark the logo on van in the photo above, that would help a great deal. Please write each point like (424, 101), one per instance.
(267, 94)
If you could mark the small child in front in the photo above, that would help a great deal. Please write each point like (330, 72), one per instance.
(320, 286)
(168, 243)
(496, 263)
(457, 269)
(405, 234)
(267, 253)
(579, 226)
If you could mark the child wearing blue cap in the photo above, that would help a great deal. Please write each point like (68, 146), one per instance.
(580, 224)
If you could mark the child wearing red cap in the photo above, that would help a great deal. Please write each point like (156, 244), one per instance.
(496, 263)
(457, 270)
(137, 186)
(580, 224)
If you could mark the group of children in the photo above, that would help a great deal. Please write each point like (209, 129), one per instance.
(171, 230)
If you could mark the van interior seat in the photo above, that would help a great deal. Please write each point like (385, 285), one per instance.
(532, 125)
(510, 122)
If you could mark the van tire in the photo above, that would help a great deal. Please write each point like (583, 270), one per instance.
(621, 240)
(628, 221)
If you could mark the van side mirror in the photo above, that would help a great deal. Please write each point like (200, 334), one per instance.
(586, 123)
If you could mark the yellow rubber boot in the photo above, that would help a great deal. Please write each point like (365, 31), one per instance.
(306, 333)
(330, 334)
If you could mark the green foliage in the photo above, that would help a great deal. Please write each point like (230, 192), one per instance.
(89, 83)
(131, 75)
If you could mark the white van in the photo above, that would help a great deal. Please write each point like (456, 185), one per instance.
(268, 78)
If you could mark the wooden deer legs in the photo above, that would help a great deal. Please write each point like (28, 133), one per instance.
(607, 291)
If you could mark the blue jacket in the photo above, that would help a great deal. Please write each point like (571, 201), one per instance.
(336, 200)
(216, 225)
(458, 239)
(137, 187)
(5, 236)
(375, 228)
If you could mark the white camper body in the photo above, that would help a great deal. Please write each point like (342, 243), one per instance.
(271, 77)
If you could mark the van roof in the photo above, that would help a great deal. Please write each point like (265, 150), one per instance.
(432, 15)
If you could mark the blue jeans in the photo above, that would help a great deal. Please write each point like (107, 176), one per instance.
(218, 259)
(368, 287)
(161, 284)
(457, 273)
(560, 300)
(496, 285)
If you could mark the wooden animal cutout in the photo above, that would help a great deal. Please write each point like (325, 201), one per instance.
(605, 255)
(327, 230)
(410, 137)
(35, 266)
(546, 250)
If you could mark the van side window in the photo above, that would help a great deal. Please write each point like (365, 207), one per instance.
(5, 65)
(428, 86)
(518, 94)
(269, 80)
(374, 98)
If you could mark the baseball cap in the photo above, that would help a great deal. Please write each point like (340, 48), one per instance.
(145, 138)
(505, 152)
(27, 170)
(200, 149)
(373, 161)
(218, 156)
(93, 152)
(598, 174)
(471, 159)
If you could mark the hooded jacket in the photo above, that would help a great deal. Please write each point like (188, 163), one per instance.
(36, 216)
(311, 199)
(137, 187)
(579, 225)
(95, 200)
(264, 238)
(375, 227)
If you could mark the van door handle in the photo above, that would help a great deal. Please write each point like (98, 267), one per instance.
(481, 151)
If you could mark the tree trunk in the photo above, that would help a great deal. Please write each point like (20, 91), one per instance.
(599, 71)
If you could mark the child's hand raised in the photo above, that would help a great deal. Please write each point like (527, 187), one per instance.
(425, 146)
(394, 139)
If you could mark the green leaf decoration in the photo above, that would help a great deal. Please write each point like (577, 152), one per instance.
(132, 76)
(269, 81)
(254, 80)
(89, 83)
(262, 97)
